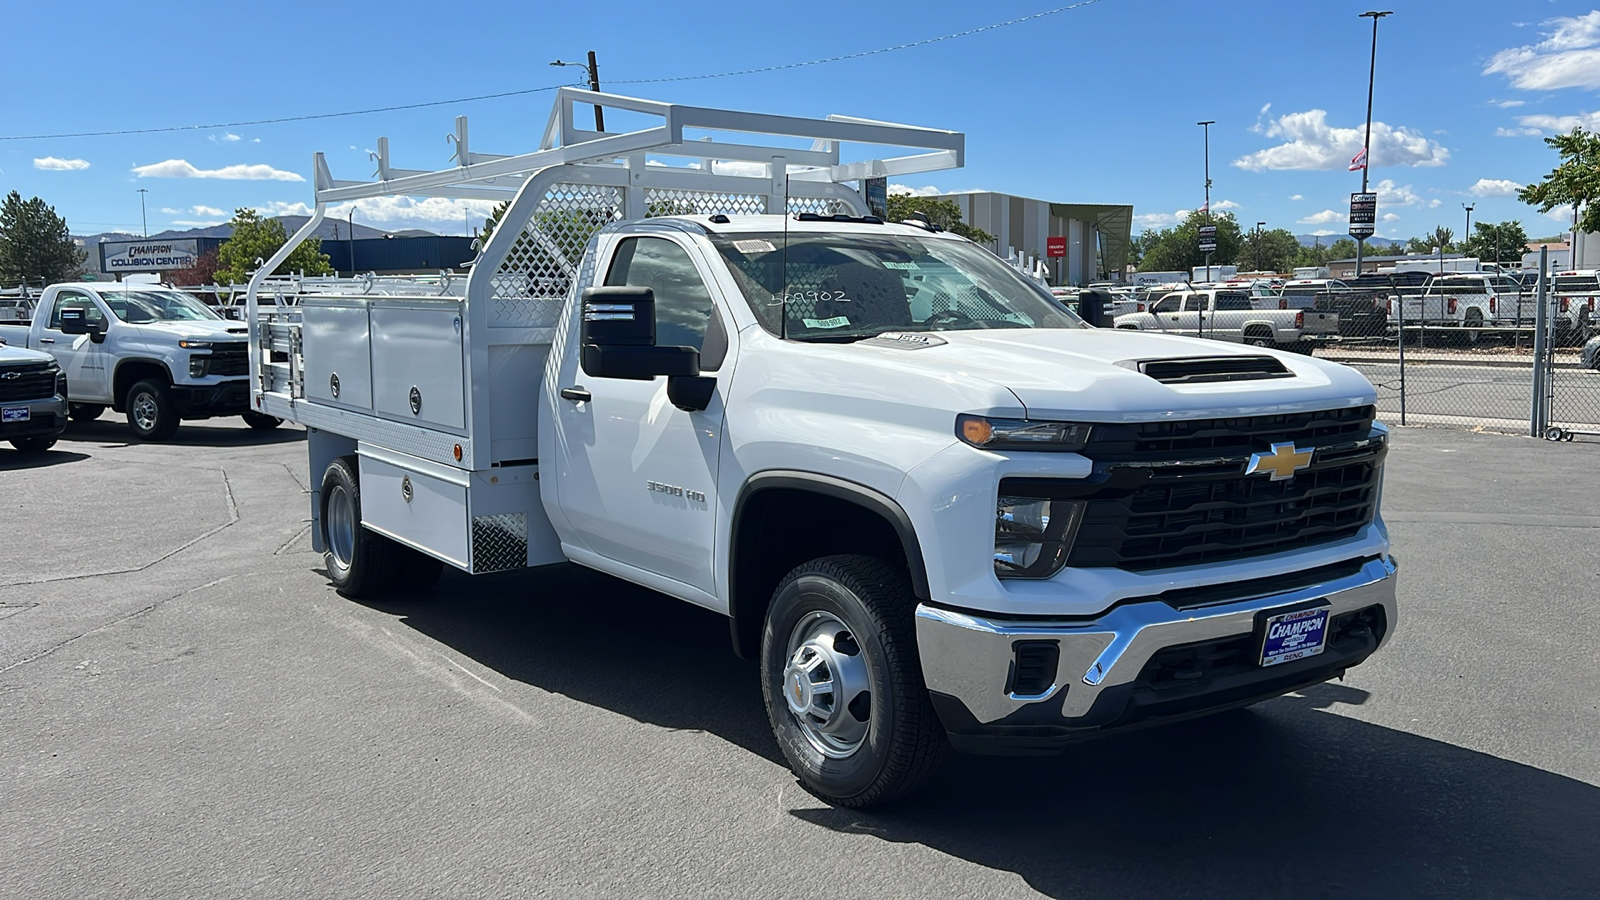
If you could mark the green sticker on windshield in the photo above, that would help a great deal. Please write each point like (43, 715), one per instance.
(900, 265)
(835, 322)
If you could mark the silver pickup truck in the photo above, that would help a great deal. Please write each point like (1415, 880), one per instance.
(1229, 315)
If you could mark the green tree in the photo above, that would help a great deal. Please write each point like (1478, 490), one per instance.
(1576, 180)
(1418, 245)
(1278, 250)
(1502, 242)
(941, 212)
(35, 244)
(1177, 249)
(1320, 254)
(255, 238)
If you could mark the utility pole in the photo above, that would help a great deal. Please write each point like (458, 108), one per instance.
(1366, 141)
(1206, 127)
(352, 218)
(593, 68)
(144, 223)
(1467, 235)
(1258, 245)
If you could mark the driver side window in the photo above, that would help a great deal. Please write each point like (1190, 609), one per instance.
(1168, 304)
(685, 315)
(76, 300)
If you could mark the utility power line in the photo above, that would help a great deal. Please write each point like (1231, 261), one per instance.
(551, 87)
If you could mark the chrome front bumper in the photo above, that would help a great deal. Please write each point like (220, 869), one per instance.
(967, 662)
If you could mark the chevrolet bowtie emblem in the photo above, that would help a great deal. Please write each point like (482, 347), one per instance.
(1283, 462)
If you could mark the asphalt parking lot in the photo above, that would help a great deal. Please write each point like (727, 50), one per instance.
(189, 710)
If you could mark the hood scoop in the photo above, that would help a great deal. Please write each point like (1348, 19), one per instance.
(238, 331)
(1202, 369)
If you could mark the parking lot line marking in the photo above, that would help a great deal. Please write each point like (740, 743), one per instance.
(468, 671)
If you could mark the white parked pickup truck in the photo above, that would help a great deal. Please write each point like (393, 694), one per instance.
(156, 354)
(1230, 315)
(935, 508)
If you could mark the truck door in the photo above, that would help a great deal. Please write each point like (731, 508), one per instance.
(84, 361)
(638, 476)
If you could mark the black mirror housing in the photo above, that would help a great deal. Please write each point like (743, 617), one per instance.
(639, 363)
(619, 316)
(75, 320)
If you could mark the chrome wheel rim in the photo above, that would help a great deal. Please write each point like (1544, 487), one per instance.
(827, 685)
(145, 412)
(341, 526)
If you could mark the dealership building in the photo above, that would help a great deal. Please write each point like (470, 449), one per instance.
(1092, 239)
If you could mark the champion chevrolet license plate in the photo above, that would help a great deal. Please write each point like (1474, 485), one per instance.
(1294, 635)
(15, 414)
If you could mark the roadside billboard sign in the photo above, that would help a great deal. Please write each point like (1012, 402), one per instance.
(148, 256)
(1363, 215)
(1208, 238)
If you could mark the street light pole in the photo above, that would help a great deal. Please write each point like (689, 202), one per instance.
(1206, 127)
(1258, 245)
(593, 69)
(144, 223)
(352, 222)
(1366, 141)
(1467, 235)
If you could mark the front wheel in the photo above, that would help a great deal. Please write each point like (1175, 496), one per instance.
(843, 682)
(261, 421)
(151, 413)
(84, 412)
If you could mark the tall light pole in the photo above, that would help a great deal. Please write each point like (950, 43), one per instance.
(144, 223)
(1467, 235)
(1258, 245)
(352, 222)
(1206, 127)
(1366, 141)
(593, 69)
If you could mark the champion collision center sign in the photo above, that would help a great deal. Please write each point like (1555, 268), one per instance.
(148, 256)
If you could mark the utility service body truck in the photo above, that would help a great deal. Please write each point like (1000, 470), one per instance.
(935, 507)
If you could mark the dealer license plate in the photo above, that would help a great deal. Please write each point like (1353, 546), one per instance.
(1294, 635)
(15, 414)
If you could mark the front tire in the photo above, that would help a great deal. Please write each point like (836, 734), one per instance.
(33, 445)
(260, 421)
(151, 413)
(843, 682)
(84, 412)
(362, 565)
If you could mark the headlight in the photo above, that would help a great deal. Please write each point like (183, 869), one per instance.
(199, 366)
(195, 345)
(1032, 535)
(1021, 434)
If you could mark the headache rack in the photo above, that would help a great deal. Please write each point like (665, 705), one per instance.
(366, 336)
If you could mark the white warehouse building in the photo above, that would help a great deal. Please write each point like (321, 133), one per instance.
(1097, 234)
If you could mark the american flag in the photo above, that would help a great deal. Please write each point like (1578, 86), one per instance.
(1359, 161)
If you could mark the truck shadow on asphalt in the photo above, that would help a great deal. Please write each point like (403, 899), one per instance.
(114, 431)
(1286, 799)
(11, 461)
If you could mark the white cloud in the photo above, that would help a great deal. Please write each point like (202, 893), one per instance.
(227, 137)
(1223, 204)
(1562, 214)
(1160, 220)
(909, 191)
(55, 164)
(193, 223)
(1517, 132)
(1569, 56)
(1324, 232)
(1325, 217)
(1435, 204)
(1494, 187)
(1539, 124)
(1508, 104)
(395, 213)
(207, 211)
(1390, 217)
(1309, 142)
(170, 211)
(1296, 197)
(181, 168)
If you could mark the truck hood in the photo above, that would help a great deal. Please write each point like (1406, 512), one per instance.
(197, 330)
(1094, 374)
(11, 356)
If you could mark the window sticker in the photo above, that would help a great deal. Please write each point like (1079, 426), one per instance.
(754, 246)
(835, 322)
(908, 266)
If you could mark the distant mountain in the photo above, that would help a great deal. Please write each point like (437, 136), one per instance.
(1311, 240)
(330, 229)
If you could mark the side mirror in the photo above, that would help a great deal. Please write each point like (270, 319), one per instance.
(74, 320)
(618, 337)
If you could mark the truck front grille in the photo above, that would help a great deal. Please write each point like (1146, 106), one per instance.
(229, 359)
(28, 382)
(1176, 494)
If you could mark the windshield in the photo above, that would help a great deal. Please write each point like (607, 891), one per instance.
(842, 287)
(149, 305)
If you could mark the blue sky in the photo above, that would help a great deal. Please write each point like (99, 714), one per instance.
(1093, 105)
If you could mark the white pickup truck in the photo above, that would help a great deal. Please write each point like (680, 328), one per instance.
(156, 354)
(935, 507)
(1230, 315)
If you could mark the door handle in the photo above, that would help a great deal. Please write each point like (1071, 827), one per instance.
(576, 394)
(47, 340)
